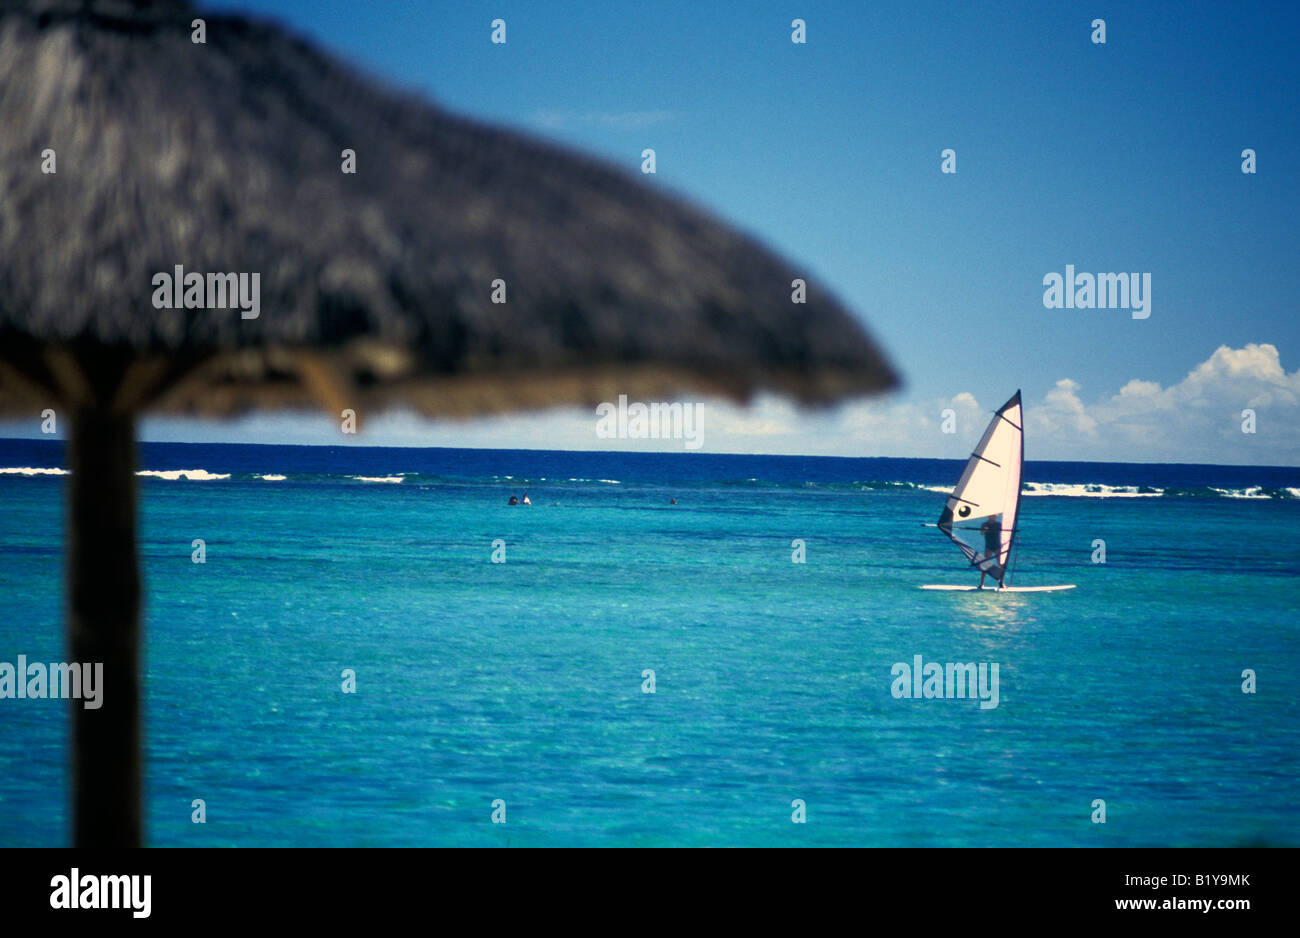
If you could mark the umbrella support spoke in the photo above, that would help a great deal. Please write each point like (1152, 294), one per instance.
(103, 626)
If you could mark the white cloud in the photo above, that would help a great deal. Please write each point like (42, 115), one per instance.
(1197, 419)
(1063, 412)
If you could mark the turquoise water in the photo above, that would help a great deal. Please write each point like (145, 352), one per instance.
(522, 680)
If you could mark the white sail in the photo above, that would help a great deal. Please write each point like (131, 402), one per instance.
(981, 513)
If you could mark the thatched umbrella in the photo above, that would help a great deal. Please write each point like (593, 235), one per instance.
(376, 287)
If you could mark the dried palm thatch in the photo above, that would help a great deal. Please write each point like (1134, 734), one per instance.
(375, 286)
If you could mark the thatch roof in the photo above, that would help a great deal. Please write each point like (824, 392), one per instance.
(375, 287)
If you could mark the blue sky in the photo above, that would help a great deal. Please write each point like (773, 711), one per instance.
(1117, 157)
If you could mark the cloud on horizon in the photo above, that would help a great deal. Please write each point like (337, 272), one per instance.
(1198, 419)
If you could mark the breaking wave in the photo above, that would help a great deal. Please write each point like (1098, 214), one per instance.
(31, 471)
(189, 475)
(870, 486)
(1067, 490)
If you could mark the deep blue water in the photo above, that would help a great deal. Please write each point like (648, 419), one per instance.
(522, 680)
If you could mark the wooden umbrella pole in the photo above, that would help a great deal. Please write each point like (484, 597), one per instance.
(104, 627)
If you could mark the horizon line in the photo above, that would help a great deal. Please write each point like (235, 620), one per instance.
(53, 438)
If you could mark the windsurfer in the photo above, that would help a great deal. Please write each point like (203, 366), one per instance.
(992, 531)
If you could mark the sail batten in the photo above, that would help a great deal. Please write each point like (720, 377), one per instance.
(986, 498)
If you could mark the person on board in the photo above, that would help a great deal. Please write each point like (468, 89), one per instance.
(526, 501)
(992, 531)
(513, 501)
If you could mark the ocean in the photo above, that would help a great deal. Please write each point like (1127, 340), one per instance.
(520, 689)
